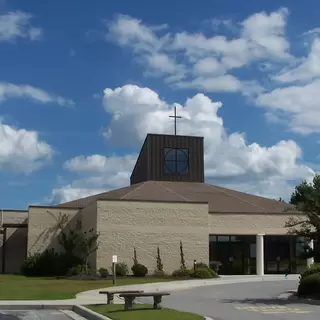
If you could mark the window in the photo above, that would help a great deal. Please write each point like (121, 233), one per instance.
(176, 160)
(223, 238)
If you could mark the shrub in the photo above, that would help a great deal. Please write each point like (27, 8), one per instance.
(159, 274)
(202, 265)
(80, 269)
(135, 259)
(49, 263)
(213, 273)
(121, 269)
(181, 273)
(310, 285)
(83, 270)
(182, 260)
(139, 270)
(203, 273)
(313, 269)
(159, 261)
(104, 273)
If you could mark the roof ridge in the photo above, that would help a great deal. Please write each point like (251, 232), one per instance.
(135, 189)
(168, 189)
(245, 201)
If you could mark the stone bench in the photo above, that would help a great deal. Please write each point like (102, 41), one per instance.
(110, 294)
(130, 297)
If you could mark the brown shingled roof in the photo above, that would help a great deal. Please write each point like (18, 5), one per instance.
(219, 199)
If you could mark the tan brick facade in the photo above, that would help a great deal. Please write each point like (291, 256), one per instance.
(124, 225)
(248, 223)
(16, 240)
(89, 221)
(43, 230)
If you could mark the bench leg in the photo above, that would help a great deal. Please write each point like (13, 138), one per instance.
(128, 302)
(110, 298)
(157, 302)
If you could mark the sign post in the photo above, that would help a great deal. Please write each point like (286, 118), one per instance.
(114, 262)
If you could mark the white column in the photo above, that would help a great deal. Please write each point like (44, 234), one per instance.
(310, 261)
(260, 254)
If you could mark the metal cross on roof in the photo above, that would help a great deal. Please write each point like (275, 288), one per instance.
(175, 120)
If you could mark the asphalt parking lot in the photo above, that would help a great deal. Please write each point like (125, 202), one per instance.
(243, 301)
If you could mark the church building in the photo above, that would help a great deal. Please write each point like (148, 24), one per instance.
(166, 202)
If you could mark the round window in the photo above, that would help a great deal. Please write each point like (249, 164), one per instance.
(176, 161)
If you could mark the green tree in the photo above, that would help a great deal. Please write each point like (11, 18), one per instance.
(182, 260)
(306, 199)
(87, 243)
(69, 241)
(135, 258)
(159, 261)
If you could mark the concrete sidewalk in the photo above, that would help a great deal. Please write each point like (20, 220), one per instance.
(93, 296)
(186, 284)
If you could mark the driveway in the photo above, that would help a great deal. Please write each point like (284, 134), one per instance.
(242, 301)
(37, 315)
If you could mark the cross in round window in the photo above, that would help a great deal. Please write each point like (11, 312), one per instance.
(176, 160)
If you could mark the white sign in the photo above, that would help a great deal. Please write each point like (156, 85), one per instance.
(114, 259)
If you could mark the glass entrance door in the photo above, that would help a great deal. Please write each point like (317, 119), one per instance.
(277, 254)
(223, 254)
(234, 254)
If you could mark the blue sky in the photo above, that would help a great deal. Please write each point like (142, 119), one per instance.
(81, 85)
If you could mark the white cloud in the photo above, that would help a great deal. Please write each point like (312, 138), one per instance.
(307, 70)
(224, 83)
(97, 173)
(191, 60)
(266, 34)
(100, 164)
(17, 24)
(299, 102)
(161, 62)
(207, 61)
(69, 193)
(129, 31)
(9, 90)
(22, 150)
(229, 159)
(208, 65)
(312, 32)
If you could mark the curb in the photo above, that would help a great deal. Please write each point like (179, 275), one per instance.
(35, 306)
(295, 298)
(77, 309)
(91, 315)
(88, 314)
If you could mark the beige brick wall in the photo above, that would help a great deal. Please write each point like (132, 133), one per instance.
(43, 231)
(16, 243)
(15, 216)
(89, 220)
(124, 225)
(234, 224)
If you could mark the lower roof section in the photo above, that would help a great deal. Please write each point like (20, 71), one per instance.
(219, 199)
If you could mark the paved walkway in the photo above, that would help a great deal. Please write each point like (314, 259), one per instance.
(185, 284)
(93, 296)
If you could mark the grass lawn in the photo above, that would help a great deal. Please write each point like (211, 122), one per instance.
(16, 287)
(142, 312)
